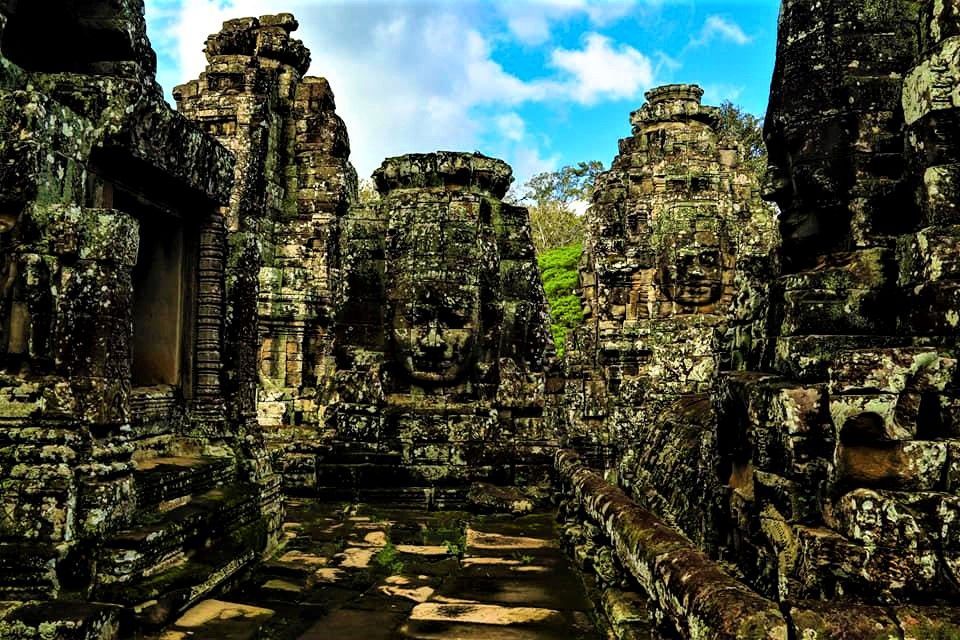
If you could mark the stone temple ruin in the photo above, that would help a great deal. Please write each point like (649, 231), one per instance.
(236, 401)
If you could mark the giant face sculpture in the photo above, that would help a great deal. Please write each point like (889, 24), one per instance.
(690, 262)
(434, 295)
(434, 332)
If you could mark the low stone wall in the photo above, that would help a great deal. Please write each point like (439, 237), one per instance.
(690, 593)
(687, 588)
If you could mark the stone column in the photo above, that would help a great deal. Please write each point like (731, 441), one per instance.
(209, 409)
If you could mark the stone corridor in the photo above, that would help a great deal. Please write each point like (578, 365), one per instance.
(349, 571)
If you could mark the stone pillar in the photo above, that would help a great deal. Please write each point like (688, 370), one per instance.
(209, 408)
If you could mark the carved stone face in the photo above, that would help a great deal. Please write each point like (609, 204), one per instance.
(433, 263)
(691, 266)
(435, 330)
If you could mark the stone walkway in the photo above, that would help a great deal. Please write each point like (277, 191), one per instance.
(370, 574)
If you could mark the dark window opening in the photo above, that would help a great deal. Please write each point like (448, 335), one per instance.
(159, 301)
(862, 429)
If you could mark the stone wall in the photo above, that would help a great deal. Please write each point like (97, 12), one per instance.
(841, 454)
(638, 558)
(118, 436)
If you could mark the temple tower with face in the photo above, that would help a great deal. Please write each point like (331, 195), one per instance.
(441, 340)
(671, 223)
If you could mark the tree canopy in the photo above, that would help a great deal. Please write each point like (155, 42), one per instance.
(746, 130)
(555, 200)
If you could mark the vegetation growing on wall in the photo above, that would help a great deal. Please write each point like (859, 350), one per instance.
(746, 130)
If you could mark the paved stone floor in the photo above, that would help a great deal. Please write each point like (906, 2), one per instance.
(375, 574)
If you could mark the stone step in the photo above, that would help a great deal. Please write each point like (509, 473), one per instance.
(468, 620)
(59, 619)
(354, 623)
(27, 571)
(216, 620)
(377, 475)
(358, 454)
(167, 539)
(153, 600)
(167, 482)
(398, 496)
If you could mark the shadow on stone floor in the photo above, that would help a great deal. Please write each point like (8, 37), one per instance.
(358, 571)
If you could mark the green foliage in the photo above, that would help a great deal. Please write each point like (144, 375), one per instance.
(451, 534)
(561, 259)
(561, 282)
(388, 559)
(565, 185)
(745, 129)
(551, 198)
(457, 548)
(559, 270)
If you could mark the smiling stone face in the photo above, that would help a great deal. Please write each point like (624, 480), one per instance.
(434, 326)
(433, 270)
(690, 259)
(691, 271)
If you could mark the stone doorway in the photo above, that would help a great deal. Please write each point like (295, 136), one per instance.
(159, 303)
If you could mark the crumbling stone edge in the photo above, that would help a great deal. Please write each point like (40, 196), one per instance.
(692, 593)
(691, 590)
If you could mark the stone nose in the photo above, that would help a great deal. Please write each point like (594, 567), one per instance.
(435, 335)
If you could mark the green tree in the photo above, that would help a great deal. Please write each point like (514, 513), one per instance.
(552, 198)
(746, 130)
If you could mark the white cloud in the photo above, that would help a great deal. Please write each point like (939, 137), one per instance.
(531, 22)
(717, 93)
(528, 161)
(603, 70)
(579, 207)
(512, 126)
(719, 28)
(416, 77)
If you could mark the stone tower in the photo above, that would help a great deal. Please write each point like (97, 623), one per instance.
(670, 224)
(442, 338)
(294, 183)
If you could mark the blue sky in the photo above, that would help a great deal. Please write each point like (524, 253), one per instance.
(539, 83)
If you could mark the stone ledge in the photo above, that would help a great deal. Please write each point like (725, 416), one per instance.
(695, 595)
(690, 589)
(444, 169)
